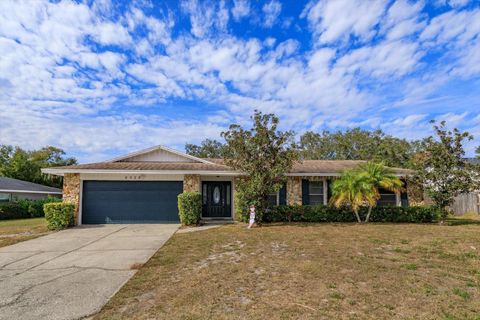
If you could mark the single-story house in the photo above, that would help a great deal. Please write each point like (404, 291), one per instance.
(14, 189)
(142, 187)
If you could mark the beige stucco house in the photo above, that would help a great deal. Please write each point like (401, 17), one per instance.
(142, 187)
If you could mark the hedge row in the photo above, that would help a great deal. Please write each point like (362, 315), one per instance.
(23, 209)
(321, 213)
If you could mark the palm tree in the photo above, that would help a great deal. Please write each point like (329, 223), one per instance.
(379, 176)
(353, 189)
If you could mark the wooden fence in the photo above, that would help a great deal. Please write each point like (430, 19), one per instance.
(467, 203)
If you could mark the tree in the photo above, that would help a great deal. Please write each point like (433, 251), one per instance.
(477, 151)
(20, 166)
(356, 144)
(5, 155)
(441, 167)
(18, 163)
(207, 149)
(264, 155)
(379, 176)
(353, 189)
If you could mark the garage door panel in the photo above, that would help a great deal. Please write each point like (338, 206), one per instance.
(130, 201)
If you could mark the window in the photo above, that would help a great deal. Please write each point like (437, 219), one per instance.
(273, 199)
(316, 192)
(216, 195)
(4, 197)
(204, 193)
(387, 198)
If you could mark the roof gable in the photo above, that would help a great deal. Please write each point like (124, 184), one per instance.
(159, 154)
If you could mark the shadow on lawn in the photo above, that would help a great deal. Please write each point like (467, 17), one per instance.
(451, 221)
(461, 221)
(337, 224)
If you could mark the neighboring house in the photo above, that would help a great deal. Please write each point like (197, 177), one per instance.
(14, 189)
(142, 187)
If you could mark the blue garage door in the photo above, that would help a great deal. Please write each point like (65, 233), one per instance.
(130, 201)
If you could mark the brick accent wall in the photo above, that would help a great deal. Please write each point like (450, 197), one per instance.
(416, 195)
(191, 183)
(71, 191)
(294, 190)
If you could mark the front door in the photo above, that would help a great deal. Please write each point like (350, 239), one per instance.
(217, 200)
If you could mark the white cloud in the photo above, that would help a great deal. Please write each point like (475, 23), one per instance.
(241, 9)
(409, 120)
(153, 75)
(404, 29)
(458, 34)
(158, 30)
(271, 11)
(402, 10)
(205, 17)
(337, 20)
(468, 64)
(269, 42)
(321, 59)
(58, 86)
(286, 48)
(383, 60)
(403, 19)
(112, 34)
(222, 16)
(458, 3)
(462, 26)
(99, 134)
(452, 119)
(476, 120)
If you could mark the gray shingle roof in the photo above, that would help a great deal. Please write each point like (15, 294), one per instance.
(10, 184)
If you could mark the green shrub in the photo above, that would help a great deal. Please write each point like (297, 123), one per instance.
(12, 210)
(321, 213)
(35, 207)
(190, 207)
(23, 209)
(59, 215)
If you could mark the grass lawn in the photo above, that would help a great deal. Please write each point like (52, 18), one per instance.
(309, 271)
(13, 231)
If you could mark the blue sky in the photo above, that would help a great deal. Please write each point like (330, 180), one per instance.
(101, 78)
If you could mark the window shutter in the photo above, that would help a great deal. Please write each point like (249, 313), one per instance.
(329, 190)
(404, 196)
(404, 199)
(305, 192)
(282, 195)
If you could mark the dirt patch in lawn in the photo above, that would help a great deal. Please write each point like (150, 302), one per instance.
(314, 271)
(13, 231)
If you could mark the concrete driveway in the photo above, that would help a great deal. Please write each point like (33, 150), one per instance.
(71, 274)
